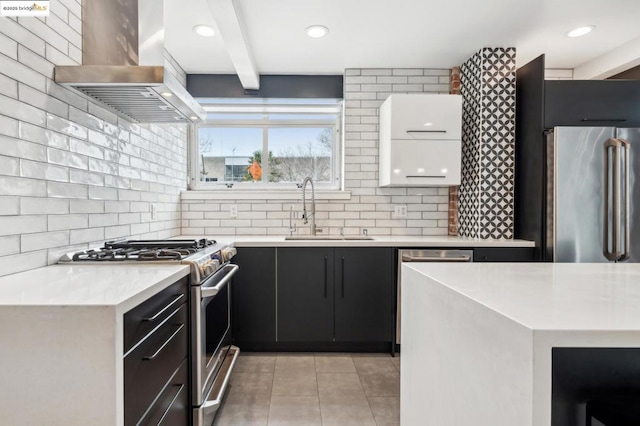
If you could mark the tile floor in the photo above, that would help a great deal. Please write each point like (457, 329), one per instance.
(305, 389)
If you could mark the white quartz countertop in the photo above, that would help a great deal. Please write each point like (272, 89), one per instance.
(122, 286)
(377, 241)
(547, 296)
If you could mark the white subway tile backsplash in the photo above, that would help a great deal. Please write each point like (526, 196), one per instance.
(102, 166)
(70, 159)
(9, 166)
(8, 86)
(87, 149)
(8, 47)
(64, 30)
(43, 136)
(85, 119)
(22, 73)
(79, 236)
(128, 218)
(24, 224)
(17, 32)
(62, 125)
(101, 220)
(98, 193)
(65, 147)
(113, 232)
(23, 261)
(43, 240)
(9, 205)
(36, 170)
(376, 71)
(369, 206)
(44, 32)
(70, 221)
(35, 62)
(87, 178)
(66, 190)
(21, 111)
(9, 245)
(86, 206)
(66, 95)
(22, 186)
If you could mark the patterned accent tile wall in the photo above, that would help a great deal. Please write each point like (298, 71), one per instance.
(488, 158)
(73, 173)
(369, 207)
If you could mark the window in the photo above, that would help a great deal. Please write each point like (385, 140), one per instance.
(266, 143)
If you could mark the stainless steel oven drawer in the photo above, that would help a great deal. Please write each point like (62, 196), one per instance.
(142, 319)
(150, 366)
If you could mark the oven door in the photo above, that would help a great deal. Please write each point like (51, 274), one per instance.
(211, 326)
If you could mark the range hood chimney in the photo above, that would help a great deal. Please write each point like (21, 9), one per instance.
(123, 59)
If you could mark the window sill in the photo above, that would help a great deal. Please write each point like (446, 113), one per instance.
(230, 194)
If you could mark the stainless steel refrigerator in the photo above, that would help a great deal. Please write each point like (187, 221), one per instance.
(592, 197)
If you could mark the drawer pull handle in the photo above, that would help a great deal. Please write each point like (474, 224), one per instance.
(426, 131)
(156, 316)
(173, 401)
(615, 120)
(155, 355)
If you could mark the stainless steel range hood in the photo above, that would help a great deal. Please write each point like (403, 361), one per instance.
(124, 63)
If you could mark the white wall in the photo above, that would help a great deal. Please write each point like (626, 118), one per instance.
(72, 173)
(369, 207)
(558, 74)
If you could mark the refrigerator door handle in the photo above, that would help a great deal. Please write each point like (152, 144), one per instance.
(615, 252)
(626, 146)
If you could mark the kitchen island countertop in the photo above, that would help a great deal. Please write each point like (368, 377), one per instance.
(478, 338)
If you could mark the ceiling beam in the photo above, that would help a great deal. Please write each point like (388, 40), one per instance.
(230, 22)
(611, 63)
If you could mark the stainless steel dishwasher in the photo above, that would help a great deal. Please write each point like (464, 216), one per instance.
(431, 255)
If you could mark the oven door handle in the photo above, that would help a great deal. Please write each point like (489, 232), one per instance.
(212, 291)
(213, 404)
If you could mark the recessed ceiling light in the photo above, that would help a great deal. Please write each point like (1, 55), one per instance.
(204, 30)
(167, 94)
(317, 31)
(193, 117)
(580, 31)
(428, 124)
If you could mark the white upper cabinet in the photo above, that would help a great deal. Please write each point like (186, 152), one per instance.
(420, 140)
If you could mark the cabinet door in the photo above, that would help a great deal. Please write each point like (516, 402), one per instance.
(364, 294)
(425, 162)
(254, 297)
(305, 294)
(504, 254)
(426, 116)
(592, 103)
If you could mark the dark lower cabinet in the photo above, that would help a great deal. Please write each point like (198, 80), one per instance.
(338, 298)
(253, 297)
(305, 282)
(156, 375)
(364, 294)
(504, 254)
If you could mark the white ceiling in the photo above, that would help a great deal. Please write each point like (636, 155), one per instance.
(400, 33)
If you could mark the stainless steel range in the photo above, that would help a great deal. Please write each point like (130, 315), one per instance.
(212, 355)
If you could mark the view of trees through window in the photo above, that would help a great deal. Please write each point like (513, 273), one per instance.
(235, 154)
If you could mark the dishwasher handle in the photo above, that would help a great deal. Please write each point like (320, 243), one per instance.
(462, 258)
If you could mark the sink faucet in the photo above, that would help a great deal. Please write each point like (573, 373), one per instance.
(305, 214)
(292, 225)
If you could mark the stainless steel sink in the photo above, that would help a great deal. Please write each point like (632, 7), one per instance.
(327, 237)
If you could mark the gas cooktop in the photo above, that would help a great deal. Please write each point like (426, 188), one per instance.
(203, 255)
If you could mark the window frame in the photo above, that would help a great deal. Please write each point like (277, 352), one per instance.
(269, 123)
